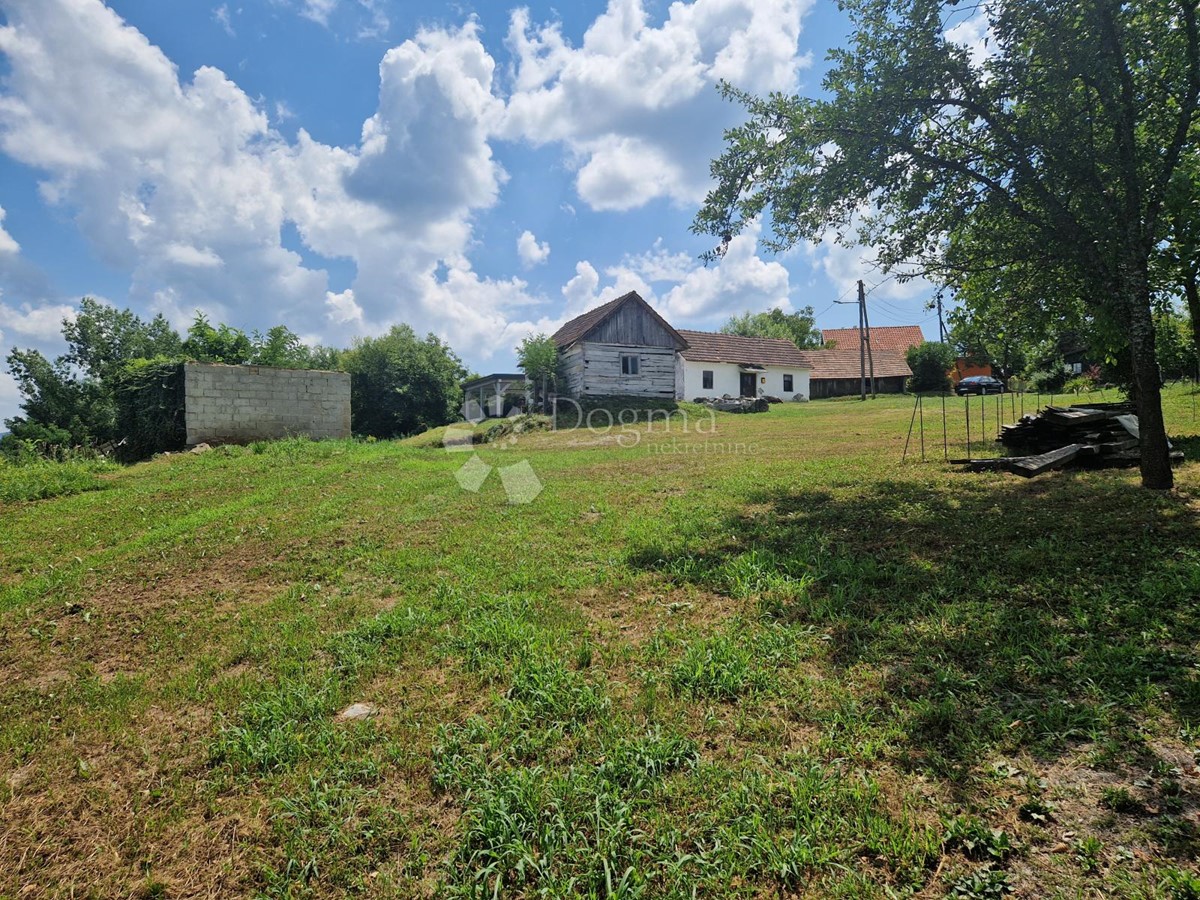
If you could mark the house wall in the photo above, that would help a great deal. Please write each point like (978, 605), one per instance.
(594, 369)
(727, 380)
(965, 369)
(237, 404)
(633, 326)
(846, 387)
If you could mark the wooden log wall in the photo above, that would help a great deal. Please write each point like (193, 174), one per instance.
(596, 371)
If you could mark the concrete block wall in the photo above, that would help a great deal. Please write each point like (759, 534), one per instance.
(237, 404)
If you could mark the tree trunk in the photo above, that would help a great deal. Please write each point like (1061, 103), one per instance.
(1156, 461)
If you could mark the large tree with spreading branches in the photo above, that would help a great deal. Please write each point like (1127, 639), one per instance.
(1049, 149)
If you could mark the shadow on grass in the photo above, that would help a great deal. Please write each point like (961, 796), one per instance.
(999, 614)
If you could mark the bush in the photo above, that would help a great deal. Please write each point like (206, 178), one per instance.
(150, 408)
(1080, 384)
(930, 362)
(402, 385)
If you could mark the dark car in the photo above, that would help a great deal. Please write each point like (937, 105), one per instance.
(979, 384)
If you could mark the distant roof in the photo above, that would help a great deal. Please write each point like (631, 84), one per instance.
(579, 326)
(705, 346)
(487, 379)
(883, 337)
(844, 362)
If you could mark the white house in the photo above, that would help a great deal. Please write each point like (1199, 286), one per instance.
(713, 365)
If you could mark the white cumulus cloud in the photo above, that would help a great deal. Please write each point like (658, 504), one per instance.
(636, 104)
(530, 251)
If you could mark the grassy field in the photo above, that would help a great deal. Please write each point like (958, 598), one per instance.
(757, 656)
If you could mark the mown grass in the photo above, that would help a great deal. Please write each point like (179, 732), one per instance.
(734, 656)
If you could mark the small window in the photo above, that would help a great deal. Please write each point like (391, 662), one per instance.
(787, 384)
(706, 377)
(629, 364)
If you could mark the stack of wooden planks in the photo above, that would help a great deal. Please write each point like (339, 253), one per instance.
(1096, 435)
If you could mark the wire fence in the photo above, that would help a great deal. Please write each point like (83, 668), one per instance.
(945, 426)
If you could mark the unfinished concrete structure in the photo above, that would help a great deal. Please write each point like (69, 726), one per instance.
(237, 404)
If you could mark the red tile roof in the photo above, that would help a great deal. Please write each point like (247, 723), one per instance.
(883, 337)
(579, 326)
(705, 346)
(844, 363)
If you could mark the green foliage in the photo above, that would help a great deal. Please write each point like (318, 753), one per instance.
(402, 385)
(986, 884)
(1080, 384)
(59, 407)
(976, 839)
(991, 330)
(1087, 853)
(1181, 884)
(1178, 258)
(69, 402)
(280, 347)
(930, 362)
(1044, 370)
(101, 339)
(798, 327)
(223, 344)
(149, 399)
(538, 358)
(1120, 800)
(29, 475)
(1174, 341)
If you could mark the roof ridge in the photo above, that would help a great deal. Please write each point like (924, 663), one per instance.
(578, 327)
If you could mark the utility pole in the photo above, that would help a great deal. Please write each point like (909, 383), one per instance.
(941, 322)
(862, 342)
(866, 335)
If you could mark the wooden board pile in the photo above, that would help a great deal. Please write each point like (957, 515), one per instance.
(1096, 435)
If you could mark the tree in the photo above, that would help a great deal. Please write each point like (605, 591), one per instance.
(69, 401)
(223, 344)
(1178, 260)
(59, 407)
(930, 362)
(1051, 152)
(1175, 342)
(402, 385)
(538, 358)
(101, 338)
(799, 327)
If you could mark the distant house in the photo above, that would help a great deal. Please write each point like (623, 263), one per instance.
(714, 365)
(883, 337)
(837, 371)
(622, 348)
(967, 367)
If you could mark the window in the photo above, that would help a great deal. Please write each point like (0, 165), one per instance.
(629, 364)
(787, 384)
(706, 378)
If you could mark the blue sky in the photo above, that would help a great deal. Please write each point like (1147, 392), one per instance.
(482, 171)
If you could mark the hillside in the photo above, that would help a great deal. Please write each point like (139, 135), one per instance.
(763, 660)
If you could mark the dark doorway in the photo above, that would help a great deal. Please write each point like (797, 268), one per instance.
(748, 385)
